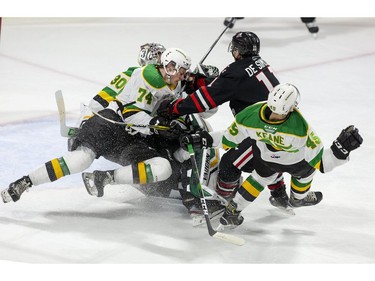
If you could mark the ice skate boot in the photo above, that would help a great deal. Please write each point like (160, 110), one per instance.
(215, 206)
(279, 198)
(312, 198)
(96, 181)
(231, 217)
(313, 28)
(13, 193)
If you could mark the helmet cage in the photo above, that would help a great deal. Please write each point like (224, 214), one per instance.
(150, 53)
(173, 60)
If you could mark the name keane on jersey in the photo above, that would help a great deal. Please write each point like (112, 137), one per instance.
(275, 141)
(259, 63)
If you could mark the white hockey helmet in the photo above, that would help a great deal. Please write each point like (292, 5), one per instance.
(176, 56)
(150, 53)
(283, 98)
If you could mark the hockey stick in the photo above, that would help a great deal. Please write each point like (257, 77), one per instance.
(67, 131)
(198, 68)
(232, 20)
(219, 235)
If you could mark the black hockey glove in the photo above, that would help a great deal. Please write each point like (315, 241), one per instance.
(348, 140)
(170, 129)
(201, 139)
(165, 109)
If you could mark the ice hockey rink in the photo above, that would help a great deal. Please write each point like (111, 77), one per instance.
(59, 223)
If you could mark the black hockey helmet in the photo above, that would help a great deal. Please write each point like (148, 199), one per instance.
(247, 44)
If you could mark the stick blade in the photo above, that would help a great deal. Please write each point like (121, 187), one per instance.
(61, 108)
(229, 238)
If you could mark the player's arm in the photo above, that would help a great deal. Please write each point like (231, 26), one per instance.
(203, 99)
(338, 154)
(111, 91)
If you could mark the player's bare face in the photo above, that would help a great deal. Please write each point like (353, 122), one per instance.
(236, 54)
(179, 76)
(234, 51)
(176, 75)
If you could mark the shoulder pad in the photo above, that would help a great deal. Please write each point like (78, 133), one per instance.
(153, 77)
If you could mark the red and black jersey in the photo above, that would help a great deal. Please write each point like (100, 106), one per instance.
(242, 83)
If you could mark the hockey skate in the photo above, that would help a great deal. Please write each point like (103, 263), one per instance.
(96, 181)
(215, 210)
(312, 27)
(215, 205)
(312, 198)
(15, 190)
(230, 21)
(231, 217)
(280, 200)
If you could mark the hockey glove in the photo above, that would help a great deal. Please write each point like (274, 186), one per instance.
(165, 109)
(201, 139)
(206, 70)
(348, 140)
(170, 129)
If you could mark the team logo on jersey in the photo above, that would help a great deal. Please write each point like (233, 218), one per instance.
(270, 129)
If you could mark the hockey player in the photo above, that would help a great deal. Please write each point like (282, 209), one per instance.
(283, 142)
(310, 23)
(139, 99)
(244, 82)
(105, 135)
(149, 53)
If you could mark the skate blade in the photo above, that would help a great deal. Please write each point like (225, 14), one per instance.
(5, 196)
(88, 178)
(289, 211)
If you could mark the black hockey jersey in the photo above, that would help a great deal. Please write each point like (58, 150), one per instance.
(242, 83)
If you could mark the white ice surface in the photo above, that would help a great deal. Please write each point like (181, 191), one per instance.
(59, 223)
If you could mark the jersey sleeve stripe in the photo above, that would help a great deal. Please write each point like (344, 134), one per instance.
(196, 103)
(208, 97)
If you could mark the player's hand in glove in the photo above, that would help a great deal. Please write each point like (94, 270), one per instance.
(201, 139)
(165, 109)
(348, 140)
(203, 70)
(170, 129)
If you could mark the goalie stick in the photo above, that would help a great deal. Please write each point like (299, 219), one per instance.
(219, 235)
(65, 131)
